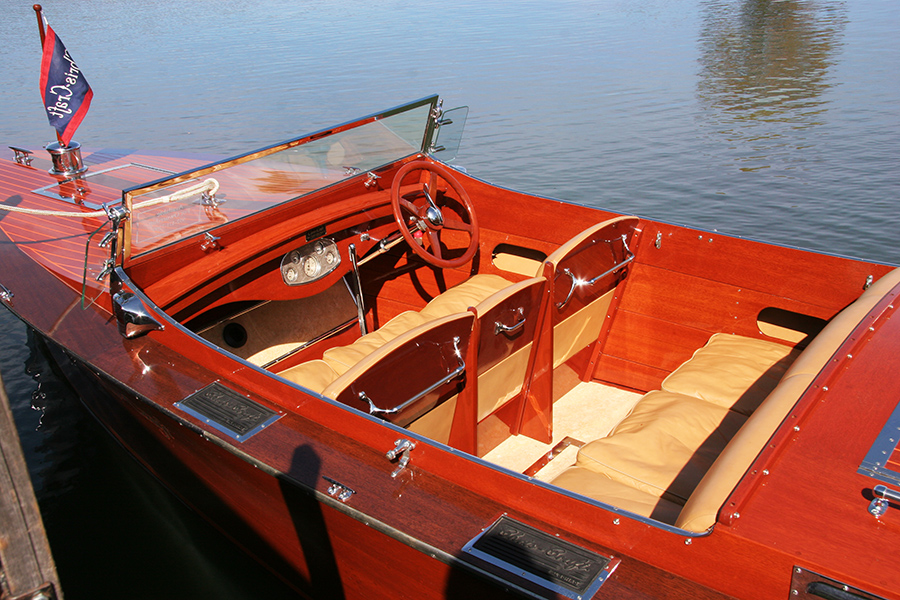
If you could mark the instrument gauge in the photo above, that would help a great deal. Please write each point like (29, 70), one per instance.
(310, 266)
(310, 262)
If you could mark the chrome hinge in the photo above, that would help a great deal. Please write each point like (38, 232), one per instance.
(401, 450)
(108, 265)
(338, 490)
(438, 111)
(107, 239)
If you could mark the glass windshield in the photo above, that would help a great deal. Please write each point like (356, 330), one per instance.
(171, 209)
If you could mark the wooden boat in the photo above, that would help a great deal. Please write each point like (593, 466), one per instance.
(384, 377)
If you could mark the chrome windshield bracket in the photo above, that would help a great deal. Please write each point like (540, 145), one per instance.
(108, 265)
(400, 453)
(357, 290)
(371, 180)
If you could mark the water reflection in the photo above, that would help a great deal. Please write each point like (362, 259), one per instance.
(765, 73)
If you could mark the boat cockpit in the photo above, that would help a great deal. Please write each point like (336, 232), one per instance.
(352, 264)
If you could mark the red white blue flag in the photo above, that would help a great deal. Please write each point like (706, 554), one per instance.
(65, 91)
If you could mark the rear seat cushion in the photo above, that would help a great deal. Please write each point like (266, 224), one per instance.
(599, 487)
(732, 371)
(665, 445)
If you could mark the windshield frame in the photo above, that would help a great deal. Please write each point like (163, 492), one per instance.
(262, 159)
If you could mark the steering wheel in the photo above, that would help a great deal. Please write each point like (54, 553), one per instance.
(419, 212)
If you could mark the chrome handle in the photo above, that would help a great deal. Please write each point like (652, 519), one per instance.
(883, 496)
(579, 282)
(500, 327)
(562, 305)
(446, 379)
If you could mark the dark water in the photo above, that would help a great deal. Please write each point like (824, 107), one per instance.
(778, 120)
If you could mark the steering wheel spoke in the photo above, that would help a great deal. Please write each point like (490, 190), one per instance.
(432, 217)
(409, 206)
(435, 239)
(457, 225)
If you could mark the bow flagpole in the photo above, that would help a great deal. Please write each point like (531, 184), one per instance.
(40, 20)
(66, 95)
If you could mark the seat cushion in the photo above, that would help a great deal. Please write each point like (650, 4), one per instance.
(315, 375)
(460, 297)
(342, 358)
(665, 445)
(610, 491)
(732, 371)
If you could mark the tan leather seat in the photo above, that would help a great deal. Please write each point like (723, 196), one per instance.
(615, 493)
(665, 446)
(732, 371)
(316, 375)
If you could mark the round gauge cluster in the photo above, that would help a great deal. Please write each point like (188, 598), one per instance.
(310, 262)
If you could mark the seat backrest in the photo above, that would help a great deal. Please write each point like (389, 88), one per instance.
(508, 325)
(411, 374)
(583, 273)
